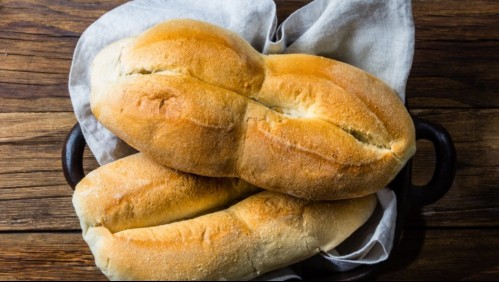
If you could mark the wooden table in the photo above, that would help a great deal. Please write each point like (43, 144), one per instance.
(453, 82)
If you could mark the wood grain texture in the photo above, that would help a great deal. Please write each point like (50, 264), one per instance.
(445, 254)
(33, 192)
(453, 82)
(454, 56)
(46, 256)
(37, 40)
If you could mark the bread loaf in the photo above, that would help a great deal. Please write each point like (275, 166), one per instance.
(200, 99)
(137, 192)
(145, 222)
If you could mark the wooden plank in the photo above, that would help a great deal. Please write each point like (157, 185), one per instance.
(38, 200)
(39, 127)
(36, 45)
(51, 18)
(36, 196)
(443, 254)
(456, 20)
(455, 61)
(33, 103)
(454, 74)
(31, 77)
(34, 158)
(38, 213)
(37, 40)
(49, 184)
(33, 192)
(44, 64)
(46, 256)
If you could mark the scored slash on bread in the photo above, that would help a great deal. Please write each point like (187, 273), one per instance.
(198, 98)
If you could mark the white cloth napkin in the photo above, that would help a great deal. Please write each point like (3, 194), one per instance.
(374, 35)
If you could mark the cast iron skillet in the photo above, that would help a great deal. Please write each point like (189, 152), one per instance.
(409, 196)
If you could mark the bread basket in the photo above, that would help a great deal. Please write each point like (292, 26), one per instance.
(409, 196)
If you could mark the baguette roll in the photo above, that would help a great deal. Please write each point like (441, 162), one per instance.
(262, 233)
(200, 99)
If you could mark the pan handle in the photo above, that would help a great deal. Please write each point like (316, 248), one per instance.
(72, 156)
(445, 167)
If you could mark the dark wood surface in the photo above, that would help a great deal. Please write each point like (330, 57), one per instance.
(453, 82)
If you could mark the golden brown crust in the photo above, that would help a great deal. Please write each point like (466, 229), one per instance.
(198, 50)
(264, 232)
(198, 98)
(137, 192)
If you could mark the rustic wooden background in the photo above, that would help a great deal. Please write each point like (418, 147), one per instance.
(453, 82)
